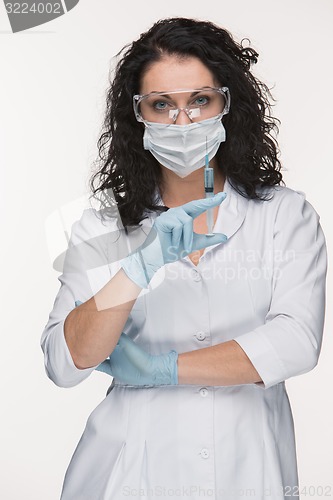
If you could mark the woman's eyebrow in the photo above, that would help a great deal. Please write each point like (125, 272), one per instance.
(169, 96)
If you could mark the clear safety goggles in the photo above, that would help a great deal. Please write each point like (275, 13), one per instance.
(198, 104)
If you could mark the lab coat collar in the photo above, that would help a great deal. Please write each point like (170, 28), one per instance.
(231, 213)
(230, 216)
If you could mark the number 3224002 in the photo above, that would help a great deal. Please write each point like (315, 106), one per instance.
(35, 8)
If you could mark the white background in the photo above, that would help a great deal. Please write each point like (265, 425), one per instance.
(52, 87)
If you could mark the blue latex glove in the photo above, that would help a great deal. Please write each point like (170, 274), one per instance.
(132, 365)
(170, 239)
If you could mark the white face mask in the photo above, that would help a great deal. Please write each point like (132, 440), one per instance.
(182, 148)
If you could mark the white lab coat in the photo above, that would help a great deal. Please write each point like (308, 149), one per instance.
(265, 288)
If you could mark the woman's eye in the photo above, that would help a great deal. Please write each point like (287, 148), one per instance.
(160, 105)
(201, 101)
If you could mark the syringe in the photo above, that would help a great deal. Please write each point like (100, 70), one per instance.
(209, 192)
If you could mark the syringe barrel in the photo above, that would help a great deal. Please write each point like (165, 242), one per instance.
(209, 180)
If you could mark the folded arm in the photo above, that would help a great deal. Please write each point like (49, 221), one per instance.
(222, 364)
(288, 343)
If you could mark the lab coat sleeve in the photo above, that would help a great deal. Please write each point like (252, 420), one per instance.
(289, 342)
(85, 271)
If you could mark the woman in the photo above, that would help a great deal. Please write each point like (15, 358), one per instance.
(203, 327)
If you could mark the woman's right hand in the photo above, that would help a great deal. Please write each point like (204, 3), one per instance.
(131, 364)
(170, 239)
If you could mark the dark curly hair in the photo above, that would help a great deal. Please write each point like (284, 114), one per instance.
(249, 157)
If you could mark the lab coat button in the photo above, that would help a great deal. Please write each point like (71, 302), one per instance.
(204, 453)
(196, 275)
(203, 392)
(201, 335)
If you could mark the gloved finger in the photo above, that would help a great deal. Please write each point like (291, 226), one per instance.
(177, 233)
(134, 353)
(105, 367)
(188, 235)
(167, 220)
(186, 230)
(197, 207)
(202, 241)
